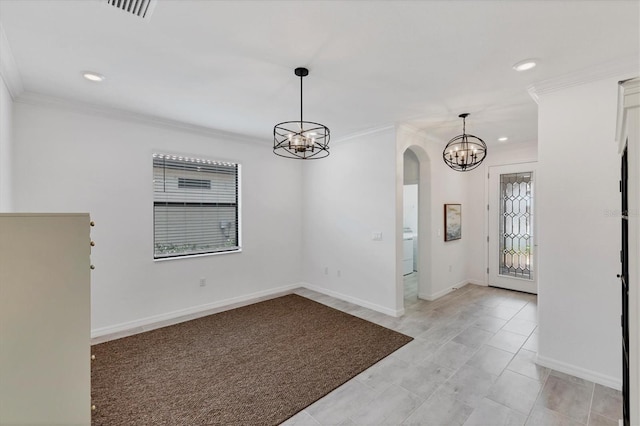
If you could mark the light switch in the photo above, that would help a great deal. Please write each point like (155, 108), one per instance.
(377, 236)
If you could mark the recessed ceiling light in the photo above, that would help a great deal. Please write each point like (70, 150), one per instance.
(93, 76)
(504, 138)
(525, 65)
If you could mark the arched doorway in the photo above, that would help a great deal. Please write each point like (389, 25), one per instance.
(414, 278)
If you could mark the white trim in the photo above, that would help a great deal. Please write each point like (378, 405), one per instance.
(8, 68)
(478, 282)
(36, 99)
(622, 67)
(583, 373)
(423, 133)
(444, 292)
(206, 309)
(366, 132)
(359, 302)
(628, 133)
(531, 90)
(154, 321)
(628, 99)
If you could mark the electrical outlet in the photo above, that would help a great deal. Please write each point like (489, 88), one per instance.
(203, 282)
(450, 268)
(376, 236)
(339, 273)
(326, 270)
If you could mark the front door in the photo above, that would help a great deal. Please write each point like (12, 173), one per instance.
(512, 257)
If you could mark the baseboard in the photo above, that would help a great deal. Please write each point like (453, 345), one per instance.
(477, 282)
(209, 308)
(580, 372)
(444, 292)
(350, 299)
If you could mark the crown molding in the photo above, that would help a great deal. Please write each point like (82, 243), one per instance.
(367, 132)
(38, 99)
(622, 68)
(411, 129)
(420, 132)
(628, 99)
(8, 67)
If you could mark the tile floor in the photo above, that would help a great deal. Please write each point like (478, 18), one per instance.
(471, 363)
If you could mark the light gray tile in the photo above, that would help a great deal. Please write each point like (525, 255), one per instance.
(440, 410)
(489, 323)
(541, 416)
(391, 407)
(301, 419)
(571, 378)
(514, 303)
(515, 391)
(379, 376)
(566, 397)
(424, 379)
(502, 312)
(607, 402)
(491, 360)
(596, 419)
(452, 355)
(507, 341)
(489, 300)
(532, 343)
(525, 363)
(473, 337)
(528, 313)
(469, 385)
(520, 326)
(490, 413)
(412, 327)
(416, 351)
(341, 404)
(441, 334)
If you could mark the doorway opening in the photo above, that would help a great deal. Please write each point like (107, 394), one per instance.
(413, 277)
(410, 228)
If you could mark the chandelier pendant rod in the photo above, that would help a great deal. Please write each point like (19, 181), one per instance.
(301, 121)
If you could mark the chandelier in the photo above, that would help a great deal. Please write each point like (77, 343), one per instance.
(464, 152)
(302, 140)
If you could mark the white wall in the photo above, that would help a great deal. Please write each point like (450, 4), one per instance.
(349, 196)
(66, 160)
(6, 143)
(578, 236)
(477, 198)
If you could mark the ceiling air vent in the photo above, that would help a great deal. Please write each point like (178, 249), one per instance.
(141, 8)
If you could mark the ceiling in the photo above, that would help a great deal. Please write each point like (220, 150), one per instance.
(228, 65)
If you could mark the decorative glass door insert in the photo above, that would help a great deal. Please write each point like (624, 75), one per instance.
(516, 225)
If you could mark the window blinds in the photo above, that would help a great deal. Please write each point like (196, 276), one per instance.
(195, 206)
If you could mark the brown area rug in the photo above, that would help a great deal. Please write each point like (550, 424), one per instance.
(255, 365)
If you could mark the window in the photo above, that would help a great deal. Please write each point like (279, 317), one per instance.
(195, 206)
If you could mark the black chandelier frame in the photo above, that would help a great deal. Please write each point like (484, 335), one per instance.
(465, 152)
(302, 140)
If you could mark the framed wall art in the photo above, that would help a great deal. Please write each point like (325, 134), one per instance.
(452, 222)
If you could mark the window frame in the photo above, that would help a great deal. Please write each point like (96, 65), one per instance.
(238, 206)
